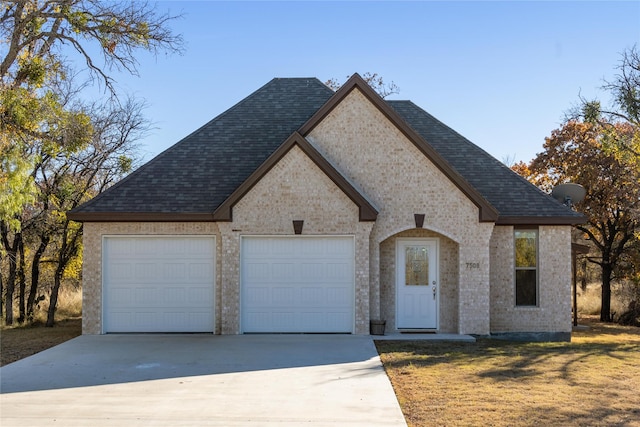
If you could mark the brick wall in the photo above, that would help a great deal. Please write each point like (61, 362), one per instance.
(400, 181)
(553, 313)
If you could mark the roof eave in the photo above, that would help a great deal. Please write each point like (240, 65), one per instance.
(541, 220)
(140, 217)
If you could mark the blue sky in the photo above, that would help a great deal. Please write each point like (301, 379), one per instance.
(500, 73)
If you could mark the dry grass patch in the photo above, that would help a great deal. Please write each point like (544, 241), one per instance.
(20, 341)
(592, 381)
(589, 300)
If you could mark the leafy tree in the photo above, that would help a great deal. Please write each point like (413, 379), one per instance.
(68, 183)
(33, 33)
(576, 153)
(374, 80)
(63, 182)
(599, 147)
(624, 108)
(34, 28)
(38, 124)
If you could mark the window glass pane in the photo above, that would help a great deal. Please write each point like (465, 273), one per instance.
(526, 287)
(416, 266)
(526, 249)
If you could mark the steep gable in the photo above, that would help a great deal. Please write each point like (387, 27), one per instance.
(487, 213)
(191, 179)
(366, 211)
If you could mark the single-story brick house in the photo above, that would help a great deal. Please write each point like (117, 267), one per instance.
(301, 209)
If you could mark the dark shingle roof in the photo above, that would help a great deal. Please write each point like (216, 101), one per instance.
(508, 192)
(200, 172)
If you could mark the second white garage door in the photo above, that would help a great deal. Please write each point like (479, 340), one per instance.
(297, 284)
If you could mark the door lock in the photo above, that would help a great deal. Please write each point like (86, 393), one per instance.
(434, 290)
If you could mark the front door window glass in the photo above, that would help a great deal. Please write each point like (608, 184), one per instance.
(416, 266)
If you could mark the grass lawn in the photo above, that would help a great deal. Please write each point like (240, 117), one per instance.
(18, 342)
(592, 381)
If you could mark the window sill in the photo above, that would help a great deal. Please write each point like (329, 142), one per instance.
(527, 307)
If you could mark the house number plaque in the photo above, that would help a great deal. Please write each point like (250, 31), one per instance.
(473, 265)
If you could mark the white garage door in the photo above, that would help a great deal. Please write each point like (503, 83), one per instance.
(297, 284)
(158, 284)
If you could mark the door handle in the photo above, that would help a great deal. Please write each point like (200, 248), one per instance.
(434, 289)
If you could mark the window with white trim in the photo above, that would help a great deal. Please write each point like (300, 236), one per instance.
(526, 257)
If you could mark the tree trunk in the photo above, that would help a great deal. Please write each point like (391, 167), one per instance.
(605, 306)
(53, 298)
(57, 277)
(22, 282)
(12, 256)
(1, 289)
(11, 282)
(69, 247)
(35, 275)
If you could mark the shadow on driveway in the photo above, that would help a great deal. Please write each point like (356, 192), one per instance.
(91, 360)
(201, 380)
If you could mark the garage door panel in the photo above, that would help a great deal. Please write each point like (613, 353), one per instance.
(119, 271)
(255, 271)
(300, 284)
(255, 295)
(283, 272)
(147, 272)
(338, 297)
(339, 272)
(284, 297)
(313, 271)
(282, 321)
(120, 320)
(198, 272)
(157, 322)
(336, 320)
(312, 296)
(314, 248)
(313, 318)
(173, 271)
(158, 284)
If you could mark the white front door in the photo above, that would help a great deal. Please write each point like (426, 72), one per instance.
(417, 283)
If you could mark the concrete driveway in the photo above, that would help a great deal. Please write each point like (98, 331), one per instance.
(201, 380)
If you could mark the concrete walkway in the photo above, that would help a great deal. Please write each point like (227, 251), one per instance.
(201, 380)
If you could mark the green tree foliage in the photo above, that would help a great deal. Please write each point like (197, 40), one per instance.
(624, 108)
(43, 133)
(63, 182)
(33, 33)
(117, 29)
